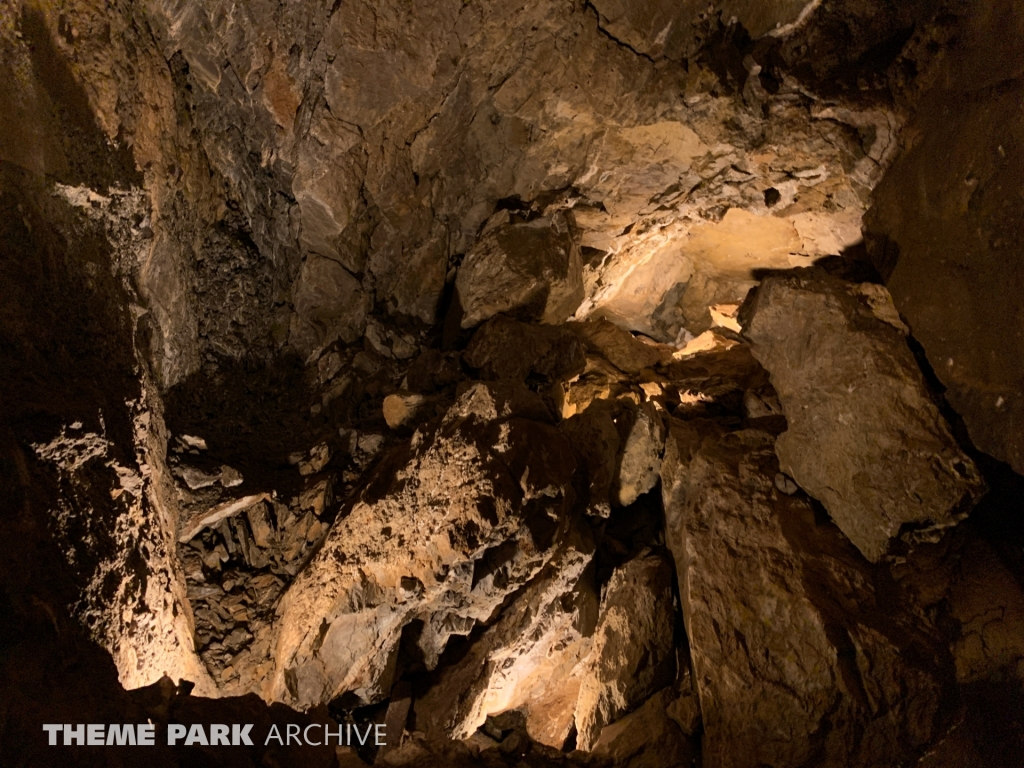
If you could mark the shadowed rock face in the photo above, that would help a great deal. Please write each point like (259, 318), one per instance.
(395, 362)
(864, 436)
(795, 659)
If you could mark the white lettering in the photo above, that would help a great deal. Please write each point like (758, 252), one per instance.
(363, 737)
(121, 735)
(196, 735)
(274, 734)
(94, 735)
(289, 730)
(77, 733)
(378, 734)
(174, 732)
(240, 735)
(220, 736)
(146, 735)
(305, 735)
(340, 734)
(52, 730)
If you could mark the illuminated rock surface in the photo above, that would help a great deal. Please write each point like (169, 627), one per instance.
(370, 358)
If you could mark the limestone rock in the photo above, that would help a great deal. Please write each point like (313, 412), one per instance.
(646, 737)
(399, 409)
(532, 269)
(671, 30)
(329, 304)
(943, 234)
(640, 462)
(621, 445)
(619, 346)
(634, 650)
(527, 661)
(446, 529)
(989, 604)
(595, 437)
(506, 349)
(794, 658)
(864, 438)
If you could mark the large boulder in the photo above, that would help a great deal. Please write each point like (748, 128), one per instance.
(797, 661)
(532, 269)
(864, 436)
(444, 531)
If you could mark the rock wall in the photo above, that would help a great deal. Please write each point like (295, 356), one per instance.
(458, 366)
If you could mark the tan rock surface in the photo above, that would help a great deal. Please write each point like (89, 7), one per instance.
(451, 525)
(633, 651)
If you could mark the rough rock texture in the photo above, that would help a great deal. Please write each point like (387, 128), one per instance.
(989, 605)
(633, 648)
(451, 526)
(504, 349)
(864, 437)
(233, 243)
(795, 658)
(945, 224)
(531, 269)
(647, 737)
(527, 661)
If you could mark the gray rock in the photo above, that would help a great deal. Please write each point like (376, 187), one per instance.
(864, 437)
(527, 662)
(532, 269)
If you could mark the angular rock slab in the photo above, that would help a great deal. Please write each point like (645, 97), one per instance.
(795, 662)
(445, 530)
(527, 661)
(633, 654)
(532, 269)
(864, 438)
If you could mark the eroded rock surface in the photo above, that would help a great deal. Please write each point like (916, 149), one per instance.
(864, 436)
(532, 269)
(453, 524)
(634, 649)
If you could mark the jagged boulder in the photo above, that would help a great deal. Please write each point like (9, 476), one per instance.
(531, 268)
(505, 349)
(446, 529)
(633, 654)
(864, 437)
(796, 659)
(528, 660)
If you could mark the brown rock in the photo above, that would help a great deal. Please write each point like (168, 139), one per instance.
(642, 447)
(794, 659)
(506, 349)
(988, 602)
(445, 530)
(329, 305)
(647, 737)
(634, 650)
(620, 347)
(864, 438)
(532, 269)
(402, 408)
